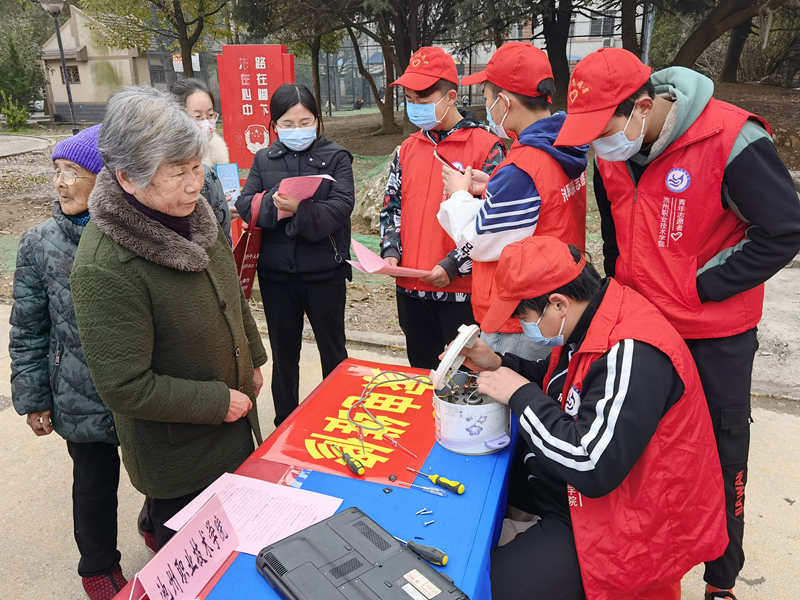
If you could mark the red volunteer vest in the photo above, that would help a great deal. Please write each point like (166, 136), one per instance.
(562, 215)
(424, 241)
(668, 515)
(672, 224)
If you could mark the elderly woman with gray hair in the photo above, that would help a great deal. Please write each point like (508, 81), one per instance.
(168, 336)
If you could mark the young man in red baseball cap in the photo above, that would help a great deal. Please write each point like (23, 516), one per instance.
(698, 211)
(431, 309)
(617, 436)
(538, 189)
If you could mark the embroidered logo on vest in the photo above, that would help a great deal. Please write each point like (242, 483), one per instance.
(573, 402)
(678, 180)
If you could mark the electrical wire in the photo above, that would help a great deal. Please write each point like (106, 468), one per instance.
(368, 389)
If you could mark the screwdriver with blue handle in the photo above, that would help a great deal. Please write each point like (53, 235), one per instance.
(429, 553)
(354, 464)
(453, 486)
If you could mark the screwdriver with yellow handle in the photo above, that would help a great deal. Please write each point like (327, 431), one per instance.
(453, 486)
(429, 553)
(354, 464)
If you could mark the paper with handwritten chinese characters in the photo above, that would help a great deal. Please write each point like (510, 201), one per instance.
(261, 512)
(188, 561)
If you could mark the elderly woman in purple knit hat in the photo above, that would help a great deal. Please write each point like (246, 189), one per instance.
(50, 382)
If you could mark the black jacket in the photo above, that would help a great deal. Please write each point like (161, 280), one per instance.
(316, 241)
(640, 385)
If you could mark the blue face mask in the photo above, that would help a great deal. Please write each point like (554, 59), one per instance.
(424, 115)
(298, 138)
(532, 331)
(496, 128)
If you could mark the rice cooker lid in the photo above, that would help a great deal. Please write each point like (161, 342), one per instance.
(467, 334)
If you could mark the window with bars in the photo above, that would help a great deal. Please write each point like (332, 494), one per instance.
(158, 75)
(602, 26)
(73, 74)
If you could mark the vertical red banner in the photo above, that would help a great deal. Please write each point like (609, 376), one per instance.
(248, 74)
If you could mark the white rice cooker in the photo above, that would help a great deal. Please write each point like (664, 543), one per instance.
(466, 422)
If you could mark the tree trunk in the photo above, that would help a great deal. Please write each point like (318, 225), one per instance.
(186, 58)
(630, 39)
(730, 69)
(389, 125)
(556, 34)
(725, 16)
(387, 110)
(497, 37)
(315, 46)
(183, 38)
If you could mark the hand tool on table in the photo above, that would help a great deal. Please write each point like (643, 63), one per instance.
(354, 464)
(453, 486)
(398, 444)
(429, 553)
(430, 490)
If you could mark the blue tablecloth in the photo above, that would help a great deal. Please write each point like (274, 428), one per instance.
(466, 527)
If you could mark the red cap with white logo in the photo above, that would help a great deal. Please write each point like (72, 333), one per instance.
(528, 269)
(518, 67)
(427, 66)
(599, 84)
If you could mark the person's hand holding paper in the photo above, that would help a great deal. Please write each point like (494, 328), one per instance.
(293, 190)
(369, 262)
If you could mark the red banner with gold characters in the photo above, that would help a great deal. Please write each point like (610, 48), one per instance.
(403, 407)
(248, 75)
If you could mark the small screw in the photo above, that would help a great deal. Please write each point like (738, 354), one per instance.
(416, 537)
(421, 511)
(428, 523)
(427, 512)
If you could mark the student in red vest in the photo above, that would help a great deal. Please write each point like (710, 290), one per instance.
(537, 189)
(622, 468)
(431, 309)
(698, 211)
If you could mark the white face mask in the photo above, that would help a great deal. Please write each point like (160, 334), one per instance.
(617, 147)
(208, 126)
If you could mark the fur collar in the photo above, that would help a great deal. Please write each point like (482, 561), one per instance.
(145, 237)
(217, 153)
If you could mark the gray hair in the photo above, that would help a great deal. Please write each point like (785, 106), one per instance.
(144, 128)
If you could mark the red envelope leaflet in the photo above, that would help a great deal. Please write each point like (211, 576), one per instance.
(301, 188)
(404, 408)
(369, 262)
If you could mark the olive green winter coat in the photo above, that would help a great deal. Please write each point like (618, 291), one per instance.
(166, 331)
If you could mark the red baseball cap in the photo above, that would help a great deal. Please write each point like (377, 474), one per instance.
(427, 66)
(530, 268)
(599, 84)
(518, 67)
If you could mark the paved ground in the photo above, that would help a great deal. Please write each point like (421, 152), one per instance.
(39, 557)
(19, 144)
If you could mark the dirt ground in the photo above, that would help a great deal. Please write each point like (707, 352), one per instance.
(26, 192)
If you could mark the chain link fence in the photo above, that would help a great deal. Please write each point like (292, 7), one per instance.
(345, 91)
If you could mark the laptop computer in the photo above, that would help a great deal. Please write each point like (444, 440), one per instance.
(350, 557)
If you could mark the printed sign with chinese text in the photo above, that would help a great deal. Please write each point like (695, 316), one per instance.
(248, 74)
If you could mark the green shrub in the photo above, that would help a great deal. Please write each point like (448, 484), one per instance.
(16, 116)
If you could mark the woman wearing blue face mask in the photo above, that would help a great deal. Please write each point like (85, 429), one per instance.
(302, 266)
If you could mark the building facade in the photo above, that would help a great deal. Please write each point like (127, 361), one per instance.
(95, 70)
